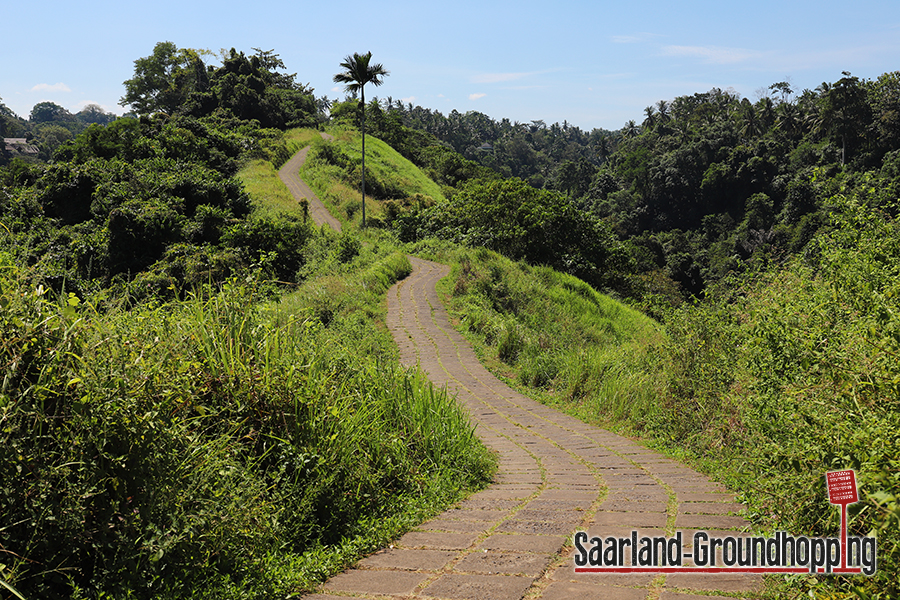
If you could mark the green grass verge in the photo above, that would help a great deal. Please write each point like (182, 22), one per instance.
(260, 178)
(387, 165)
(216, 447)
(299, 137)
(552, 333)
(269, 195)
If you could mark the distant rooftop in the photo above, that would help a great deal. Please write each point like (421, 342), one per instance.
(19, 146)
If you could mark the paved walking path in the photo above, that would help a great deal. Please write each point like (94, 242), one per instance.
(557, 475)
(289, 175)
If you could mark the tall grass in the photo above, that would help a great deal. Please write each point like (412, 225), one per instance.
(260, 177)
(386, 164)
(269, 195)
(211, 447)
(554, 333)
(300, 136)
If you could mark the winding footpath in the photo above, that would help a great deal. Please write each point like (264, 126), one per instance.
(289, 175)
(557, 475)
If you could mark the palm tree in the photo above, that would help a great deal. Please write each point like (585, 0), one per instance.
(603, 149)
(766, 112)
(751, 124)
(788, 118)
(630, 130)
(662, 110)
(357, 74)
(650, 121)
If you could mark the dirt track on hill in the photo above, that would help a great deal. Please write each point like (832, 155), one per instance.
(289, 175)
(557, 475)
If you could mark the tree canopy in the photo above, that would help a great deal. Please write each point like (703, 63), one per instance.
(175, 80)
(44, 112)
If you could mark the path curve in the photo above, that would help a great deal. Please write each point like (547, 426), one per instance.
(557, 475)
(289, 175)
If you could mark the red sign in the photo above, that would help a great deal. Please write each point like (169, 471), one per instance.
(842, 487)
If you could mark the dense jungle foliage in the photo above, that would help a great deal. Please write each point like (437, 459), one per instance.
(216, 446)
(151, 202)
(708, 184)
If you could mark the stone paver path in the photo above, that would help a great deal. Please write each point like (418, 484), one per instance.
(557, 475)
(289, 175)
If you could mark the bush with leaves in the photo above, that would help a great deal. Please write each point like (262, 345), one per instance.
(793, 373)
(275, 245)
(522, 222)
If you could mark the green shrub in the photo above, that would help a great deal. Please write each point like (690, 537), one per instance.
(541, 227)
(207, 224)
(348, 247)
(139, 232)
(275, 245)
(792, 374)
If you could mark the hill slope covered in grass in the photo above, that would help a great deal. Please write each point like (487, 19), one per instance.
(393, 183)
(260, 176)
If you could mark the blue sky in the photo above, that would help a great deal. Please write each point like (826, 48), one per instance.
(592, 63)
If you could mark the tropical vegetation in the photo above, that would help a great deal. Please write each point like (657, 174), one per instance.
(186, 404)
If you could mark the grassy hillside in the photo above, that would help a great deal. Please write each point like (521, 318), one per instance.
(551, 331)
(393, 183)
(260, 177)
(268, 195)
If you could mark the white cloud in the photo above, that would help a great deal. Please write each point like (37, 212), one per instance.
(712, 54)
(633, 39)
(409, 100)
(46, 87)
(626, 39)
(476, 96)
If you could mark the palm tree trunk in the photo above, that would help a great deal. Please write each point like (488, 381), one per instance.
(363, 94)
